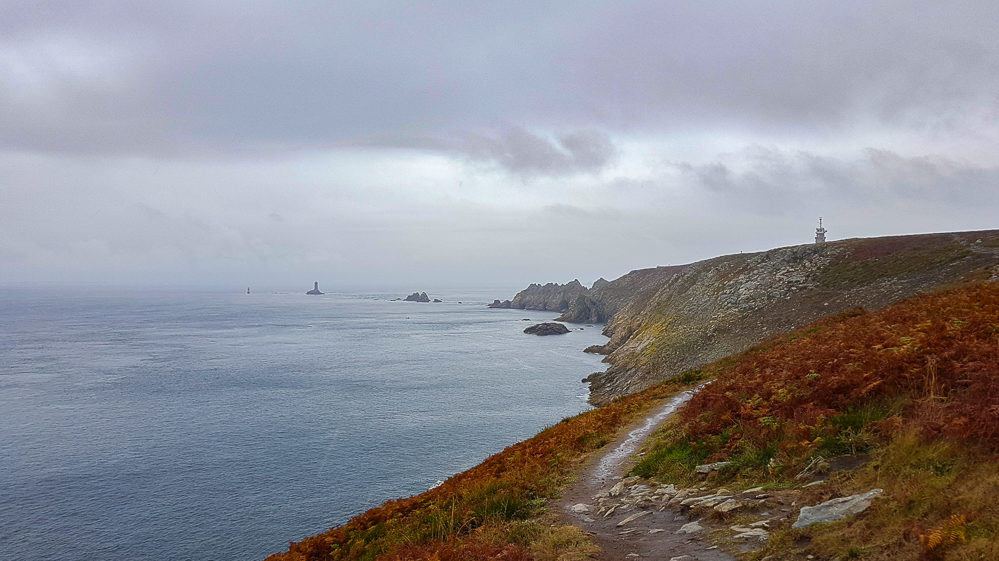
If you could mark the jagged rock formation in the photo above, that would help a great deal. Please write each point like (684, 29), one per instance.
(417, 297)
(551, 297)
(671, 319)
(314, 292)
(549, 328)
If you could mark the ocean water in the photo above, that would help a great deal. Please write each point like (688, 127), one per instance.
(219, 426)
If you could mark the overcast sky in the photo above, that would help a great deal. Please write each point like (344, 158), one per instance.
(443, 144)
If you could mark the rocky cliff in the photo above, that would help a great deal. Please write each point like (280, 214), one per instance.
(666, 320)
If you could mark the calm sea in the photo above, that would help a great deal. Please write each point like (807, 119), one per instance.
(218, 426)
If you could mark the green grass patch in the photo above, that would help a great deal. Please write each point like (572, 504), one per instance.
(674, 460)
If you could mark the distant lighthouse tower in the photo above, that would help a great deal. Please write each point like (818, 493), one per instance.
(820, 233)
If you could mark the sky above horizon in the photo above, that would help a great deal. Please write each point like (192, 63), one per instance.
(431, 144)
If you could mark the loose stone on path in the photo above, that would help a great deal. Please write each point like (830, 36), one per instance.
(632, 518)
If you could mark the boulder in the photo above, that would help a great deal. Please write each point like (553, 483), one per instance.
(548, 328)
(835, 509)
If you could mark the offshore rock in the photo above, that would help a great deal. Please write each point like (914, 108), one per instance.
(549, 328)
(314, 292)
(417, 297)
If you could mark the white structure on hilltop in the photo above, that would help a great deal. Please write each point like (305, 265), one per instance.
(820, 233)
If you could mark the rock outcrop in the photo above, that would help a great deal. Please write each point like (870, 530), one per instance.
(417, 297)
(551, 297)
(314, 292)
(550, 328)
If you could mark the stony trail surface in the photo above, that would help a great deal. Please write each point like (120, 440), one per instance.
(628, 520)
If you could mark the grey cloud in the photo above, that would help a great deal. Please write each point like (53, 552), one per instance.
(574, 212)
(523, 153)
(189, 79)
(516, 150)
(773, 179)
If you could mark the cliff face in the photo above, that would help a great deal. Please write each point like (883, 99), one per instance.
(600, 303)
(667, 320)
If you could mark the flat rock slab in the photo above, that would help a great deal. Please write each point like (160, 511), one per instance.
(835, 509)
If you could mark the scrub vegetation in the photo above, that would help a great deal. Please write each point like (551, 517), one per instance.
(911, 392)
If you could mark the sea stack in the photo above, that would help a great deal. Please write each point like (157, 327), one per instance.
(315, 289)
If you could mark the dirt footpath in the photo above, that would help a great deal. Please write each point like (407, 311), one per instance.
(628, 520)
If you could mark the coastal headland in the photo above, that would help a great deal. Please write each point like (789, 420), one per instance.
(853, 382)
